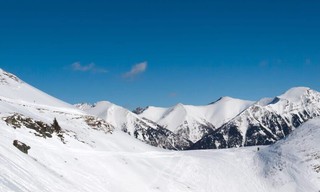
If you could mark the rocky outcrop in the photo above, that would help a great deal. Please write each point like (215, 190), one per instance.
(138, 110)
(98, 124)
(21, 146)
(159, 137)
(41, 129)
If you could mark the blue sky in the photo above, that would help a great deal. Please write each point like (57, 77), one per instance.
(139, 53)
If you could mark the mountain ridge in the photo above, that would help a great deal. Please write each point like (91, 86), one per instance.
(265, 124)
(136, 126)
(89, 154)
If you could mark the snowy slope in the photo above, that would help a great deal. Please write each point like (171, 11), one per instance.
(12, 88)
(193, 122)
(117, 116)
(142, 129)
(264, 123)
(293, 164)
(22, 105)
(93, 156)
(125, 164)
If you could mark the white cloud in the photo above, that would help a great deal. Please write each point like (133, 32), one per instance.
(136, 69)
(87, 68)
(78, 67)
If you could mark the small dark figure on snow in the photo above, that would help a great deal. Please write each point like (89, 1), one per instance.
(258, 149)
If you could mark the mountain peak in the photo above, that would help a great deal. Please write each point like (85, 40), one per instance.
(294, 93)
(179, 105)
(8, 78)
(224, 99)
(103, 103)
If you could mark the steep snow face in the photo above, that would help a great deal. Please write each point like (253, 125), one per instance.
(193, 122)
(14, 89)
(114, 114)
(264, 124)
(225, 109)
(293, 164)
(142, 129)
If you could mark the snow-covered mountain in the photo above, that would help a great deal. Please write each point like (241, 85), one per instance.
(14, 89)
(22, 105)
(266, 121)
(84, 153)
(193, 122)
(141, 128)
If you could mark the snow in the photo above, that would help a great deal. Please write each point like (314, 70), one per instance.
(116, 115)
(125, 164)
(189, 117)
(101, 161)
(106, 110)
(16, 90)
(84, 106)
(293, 164)
(216, 113)
(264, 101)
(294, 94)
(295, 99)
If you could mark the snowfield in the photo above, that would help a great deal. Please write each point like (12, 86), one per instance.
(293, 164)
(91, 155)
(125, 164)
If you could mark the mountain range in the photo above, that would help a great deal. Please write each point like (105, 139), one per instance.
(48, 145)
(225, 123)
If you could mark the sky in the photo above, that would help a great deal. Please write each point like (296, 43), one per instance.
(161, 52)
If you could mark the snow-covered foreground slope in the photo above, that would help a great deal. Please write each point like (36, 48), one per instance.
(193, 122)
(293, 164)
(122, 163)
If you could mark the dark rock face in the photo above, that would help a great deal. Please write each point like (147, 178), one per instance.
(21, 146)
(98, 124)
(234, 137)
(221, 138)
(165, 139)
(193, 131)
(158, 136)
(138, 110)
(214, 140)
(42, 129)
(254, 136)
(267, 130)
